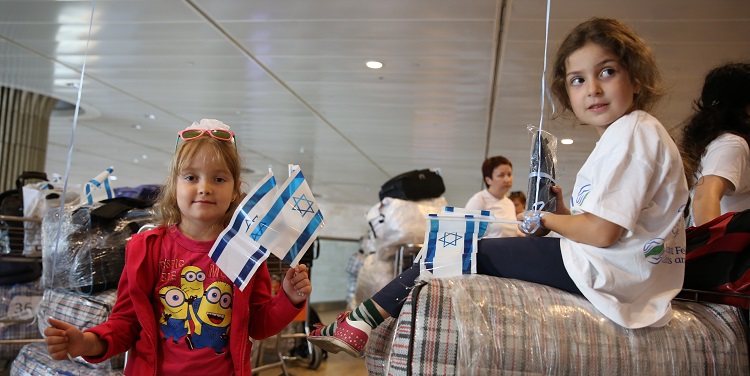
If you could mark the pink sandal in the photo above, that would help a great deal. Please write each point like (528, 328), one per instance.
(349, 336)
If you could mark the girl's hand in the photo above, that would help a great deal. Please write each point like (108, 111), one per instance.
(560, 205)
(531, 223)
(63, 339)
(296, 284)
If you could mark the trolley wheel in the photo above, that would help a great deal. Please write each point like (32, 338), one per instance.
(316, 356)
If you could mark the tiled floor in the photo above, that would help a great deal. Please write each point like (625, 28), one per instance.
(335, 365)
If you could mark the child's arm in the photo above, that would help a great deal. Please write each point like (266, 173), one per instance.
(63, 339)
(583, 228)
(297, 284)
(707, 199)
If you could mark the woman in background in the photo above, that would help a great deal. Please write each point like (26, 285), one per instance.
(498, 178)
(715, 144)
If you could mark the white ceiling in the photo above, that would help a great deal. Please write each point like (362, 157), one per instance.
(461, 81)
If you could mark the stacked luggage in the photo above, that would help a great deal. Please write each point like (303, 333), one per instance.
(82, 258)
(396, 221)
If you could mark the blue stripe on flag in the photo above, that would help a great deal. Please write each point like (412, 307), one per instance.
(239, 220)
(304, 236)
(468, 242)
(278, 205)
(250, 265)
(429, 259)
(110, 192)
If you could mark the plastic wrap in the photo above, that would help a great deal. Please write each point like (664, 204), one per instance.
(491, 326)
(34, 360)
(395, 221)
(542, 172)
(373, 276)
(90, 253)
(353, 266)
(18, 304)
(82, 311)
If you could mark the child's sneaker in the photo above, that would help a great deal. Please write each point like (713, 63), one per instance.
(348, 336)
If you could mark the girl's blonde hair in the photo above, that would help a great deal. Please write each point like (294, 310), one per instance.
(634, 54)
(168, 213)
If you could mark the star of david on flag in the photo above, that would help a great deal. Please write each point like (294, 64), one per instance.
(450, 244)
(281, 220)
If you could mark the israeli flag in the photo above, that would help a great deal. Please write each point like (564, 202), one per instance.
(293, 222)
(235, 252)
(450, 243)
(98, 188)
(280, 220)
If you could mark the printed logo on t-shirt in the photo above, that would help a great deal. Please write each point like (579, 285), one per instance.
(196, 313)
(656, 252)
(582, 194)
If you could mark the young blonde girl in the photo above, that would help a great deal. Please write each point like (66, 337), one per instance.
(176, 312)
(623, 237)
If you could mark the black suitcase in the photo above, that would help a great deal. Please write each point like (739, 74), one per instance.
(414, 185)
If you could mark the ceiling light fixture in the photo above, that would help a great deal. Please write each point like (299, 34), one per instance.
(566, 141)
(374, 64)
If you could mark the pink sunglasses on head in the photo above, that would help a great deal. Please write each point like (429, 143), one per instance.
(192, 134)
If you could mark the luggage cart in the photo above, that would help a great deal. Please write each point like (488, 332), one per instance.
(296, 332)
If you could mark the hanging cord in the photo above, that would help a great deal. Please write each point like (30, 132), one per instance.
(533, 218)
(541, 112)
(61, 210)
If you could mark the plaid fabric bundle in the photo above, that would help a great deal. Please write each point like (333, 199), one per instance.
(82, 311)
(434, 341)
(34, 360)
(481, 325)
(17, 306)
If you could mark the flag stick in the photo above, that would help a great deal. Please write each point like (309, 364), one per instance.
(442, 217)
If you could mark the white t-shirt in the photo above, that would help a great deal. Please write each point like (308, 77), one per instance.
(728, 156)
(502, 208)
(633, 178)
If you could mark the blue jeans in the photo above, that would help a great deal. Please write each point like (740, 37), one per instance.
(535, 260)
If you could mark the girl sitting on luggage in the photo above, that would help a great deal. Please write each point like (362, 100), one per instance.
(176, 312)
(624, 230)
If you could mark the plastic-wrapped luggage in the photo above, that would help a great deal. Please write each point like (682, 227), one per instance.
(34, 360)
(394, 221)
(18, 304)
(82, 311)
(89, 255)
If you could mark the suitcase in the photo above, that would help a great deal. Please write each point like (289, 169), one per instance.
(18, 304)
(414, 185)
(82, 311)
(34, 360)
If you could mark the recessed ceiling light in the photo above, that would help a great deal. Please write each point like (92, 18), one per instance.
(72, 84)
(144, 156)
(566, 141)
(112, 177)
(136, 126)
(374, 64)
(151, 116)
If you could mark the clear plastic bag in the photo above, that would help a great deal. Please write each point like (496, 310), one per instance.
(542, 169)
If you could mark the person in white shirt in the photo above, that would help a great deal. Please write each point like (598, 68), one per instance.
(497, 173)
(621, 242)
(714, 144)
